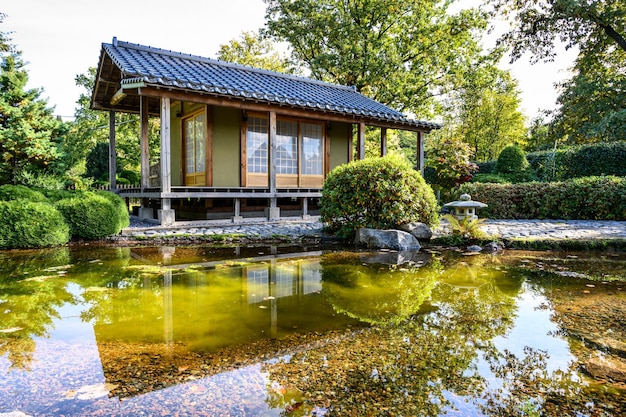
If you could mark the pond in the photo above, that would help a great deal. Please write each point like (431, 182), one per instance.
(311, 331)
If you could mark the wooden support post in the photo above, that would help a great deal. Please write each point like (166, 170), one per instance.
(112, 153)
(420, 152)
(166, 214)
(144, 143)
(272, 152)
(305, 208)
(361, 141)
(383, 141)
(166, 163)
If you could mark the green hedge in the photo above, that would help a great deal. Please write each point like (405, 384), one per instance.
(592, 198)
(580, 161)
(378, 193)
(90, 216)
(27, 224)
(123, 219)
(10, 192)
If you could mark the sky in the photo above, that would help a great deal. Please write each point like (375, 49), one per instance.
(61, 39)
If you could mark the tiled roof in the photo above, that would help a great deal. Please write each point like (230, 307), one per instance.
(154, 66)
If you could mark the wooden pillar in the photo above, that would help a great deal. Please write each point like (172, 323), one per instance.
(144, 140)
(420, 152)
(166, 214)
(166, 163)
(272, 152)
(112, 153)
(361, 141)
(383, 141)
(305, 208)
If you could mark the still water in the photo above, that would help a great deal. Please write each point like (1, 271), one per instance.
(310, 331)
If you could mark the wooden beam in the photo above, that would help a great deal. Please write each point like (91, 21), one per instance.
(209, 146)
(282, 110)
(117, 97)
(383, 141)
(112, 152)
(420, 152)
(360, 147)
(243, 143)
(166, 156)
(144, 140)
(272, 152)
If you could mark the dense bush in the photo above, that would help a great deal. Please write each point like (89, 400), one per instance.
(594, 198)
(27, 224)
(487, 167)
(379, 193)
(90, 216)
(580, 161)
(513, 165)
(123, 219)
(10, 192)
(493, 178)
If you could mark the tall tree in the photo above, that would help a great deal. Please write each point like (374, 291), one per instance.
(403, 53)
(537, 24)
(593, 103)
(484, 112)
(255, 51)
(29, 132)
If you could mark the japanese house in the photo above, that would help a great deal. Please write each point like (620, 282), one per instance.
(235, 141)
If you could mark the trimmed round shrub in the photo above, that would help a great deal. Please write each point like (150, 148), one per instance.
(10, 192)
(27, 224)
(90, 216)
(123, 219)
(378, 193)
(513, 165)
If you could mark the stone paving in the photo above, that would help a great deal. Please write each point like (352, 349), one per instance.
(505, 229)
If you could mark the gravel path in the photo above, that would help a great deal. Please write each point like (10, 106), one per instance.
(506, 229)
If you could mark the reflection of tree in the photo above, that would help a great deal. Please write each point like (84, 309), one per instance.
(372, 295)
(28, 306)
(410, 367)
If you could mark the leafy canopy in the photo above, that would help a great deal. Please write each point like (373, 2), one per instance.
(401, 53)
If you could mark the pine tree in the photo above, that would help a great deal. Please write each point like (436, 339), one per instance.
(28, 129)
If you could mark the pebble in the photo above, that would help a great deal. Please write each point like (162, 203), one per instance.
(299, 228)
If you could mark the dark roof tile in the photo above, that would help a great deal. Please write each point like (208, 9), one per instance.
(139, 63)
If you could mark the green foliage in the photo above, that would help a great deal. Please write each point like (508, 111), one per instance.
(487, 167)
(10, 192)
(492, 178)
(90, 216)
(131, 176)
(451, 161)
(466, 228)
(513, 165)
(40, 180)
(580, 161)
(123, 219)
(401, 53)
(28, 130)
(28, 224)
(97, 162)
(378, 193)
(589, 198)
(591, 24)
(253, 50)
(485, 110)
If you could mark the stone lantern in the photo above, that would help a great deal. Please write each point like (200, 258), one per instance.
(465, 208)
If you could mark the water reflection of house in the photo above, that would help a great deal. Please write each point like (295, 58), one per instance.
(209, 309)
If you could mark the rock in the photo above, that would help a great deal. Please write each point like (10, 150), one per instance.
(386, 239)
(494, 247)
(420, 230)
(610, 368)
(474, 248)
(395, 258)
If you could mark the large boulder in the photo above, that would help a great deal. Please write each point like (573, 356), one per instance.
(421, 231)
(386, 239)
